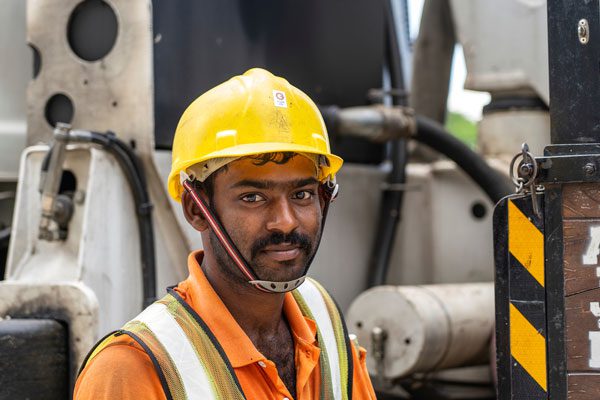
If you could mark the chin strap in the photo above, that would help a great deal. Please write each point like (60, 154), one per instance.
(327, 193)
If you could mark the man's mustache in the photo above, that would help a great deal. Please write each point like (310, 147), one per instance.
(294, 238)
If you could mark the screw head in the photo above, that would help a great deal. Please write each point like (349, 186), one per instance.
(589, 169)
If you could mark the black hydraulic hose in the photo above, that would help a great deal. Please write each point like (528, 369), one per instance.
(135, 177)
(389, 216)
(134, 174)
(434, 135)
(391, 199)
(129, 150)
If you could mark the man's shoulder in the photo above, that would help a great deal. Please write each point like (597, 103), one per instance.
(122, 369)
(121, 353)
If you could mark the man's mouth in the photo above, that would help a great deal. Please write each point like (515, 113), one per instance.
(282, 252)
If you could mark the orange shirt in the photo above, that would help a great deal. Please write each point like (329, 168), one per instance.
(124, 371)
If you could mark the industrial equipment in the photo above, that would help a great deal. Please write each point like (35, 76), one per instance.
(547, 236)
(408, 250)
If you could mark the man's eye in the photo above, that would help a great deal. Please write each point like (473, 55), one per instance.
(252, 198)
(303, 195)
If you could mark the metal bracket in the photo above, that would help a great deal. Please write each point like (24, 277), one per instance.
(570, 163)
(583, 31)
(56, 209)
(526, 176)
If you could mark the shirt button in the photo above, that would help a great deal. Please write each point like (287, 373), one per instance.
(262, 364)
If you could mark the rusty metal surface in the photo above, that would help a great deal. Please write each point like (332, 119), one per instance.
(579, 323)
(581, 225)
(578, 278)
(583, 386)
(581, 201)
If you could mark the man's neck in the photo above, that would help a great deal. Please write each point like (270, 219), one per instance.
(260, 315)
(257, 313)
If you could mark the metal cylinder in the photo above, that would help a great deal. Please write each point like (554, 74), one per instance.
(375, 123)
(425, 328)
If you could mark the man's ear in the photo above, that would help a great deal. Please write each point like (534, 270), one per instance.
(192, 213)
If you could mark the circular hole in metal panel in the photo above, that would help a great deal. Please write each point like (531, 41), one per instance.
(59, 108)
(92, 29)
(37, 60)
(478, 210)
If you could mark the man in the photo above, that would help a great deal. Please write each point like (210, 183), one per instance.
(255, 176)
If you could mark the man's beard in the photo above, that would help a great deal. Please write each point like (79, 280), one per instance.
(283, 272)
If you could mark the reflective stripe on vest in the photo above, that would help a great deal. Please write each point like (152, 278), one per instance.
(317, 304)
(191, 364)
(193, 375)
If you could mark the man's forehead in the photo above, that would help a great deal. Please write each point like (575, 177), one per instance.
(297, 167)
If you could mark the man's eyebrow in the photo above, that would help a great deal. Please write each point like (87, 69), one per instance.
(268, 184)
(304, 182)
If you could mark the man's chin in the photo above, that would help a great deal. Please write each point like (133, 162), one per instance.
(280, 271)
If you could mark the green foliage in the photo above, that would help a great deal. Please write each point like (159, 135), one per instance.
(462, 128)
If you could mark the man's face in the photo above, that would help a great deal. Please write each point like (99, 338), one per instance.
(272, 213)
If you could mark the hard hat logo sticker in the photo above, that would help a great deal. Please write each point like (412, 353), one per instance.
(279, 99)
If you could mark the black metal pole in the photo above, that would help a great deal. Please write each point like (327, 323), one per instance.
(391, 200)
(573, 59)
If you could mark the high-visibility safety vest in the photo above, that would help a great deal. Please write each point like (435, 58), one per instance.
(191, 364)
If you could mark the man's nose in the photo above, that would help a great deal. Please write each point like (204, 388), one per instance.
(282, 217)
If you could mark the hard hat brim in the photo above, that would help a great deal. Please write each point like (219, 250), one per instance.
(242, 150)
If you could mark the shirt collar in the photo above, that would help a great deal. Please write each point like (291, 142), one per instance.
(197, 291)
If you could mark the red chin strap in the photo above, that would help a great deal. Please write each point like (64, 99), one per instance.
(327, 193)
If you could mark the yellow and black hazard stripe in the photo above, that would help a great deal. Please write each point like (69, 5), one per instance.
(527, 301)
(520, 300)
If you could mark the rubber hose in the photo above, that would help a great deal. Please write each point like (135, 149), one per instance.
(136, 179)
(134, 175)
(433, 134)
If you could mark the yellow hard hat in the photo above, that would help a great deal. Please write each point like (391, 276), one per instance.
(253, 113)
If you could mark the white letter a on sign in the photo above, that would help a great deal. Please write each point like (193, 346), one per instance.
(591, 255)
